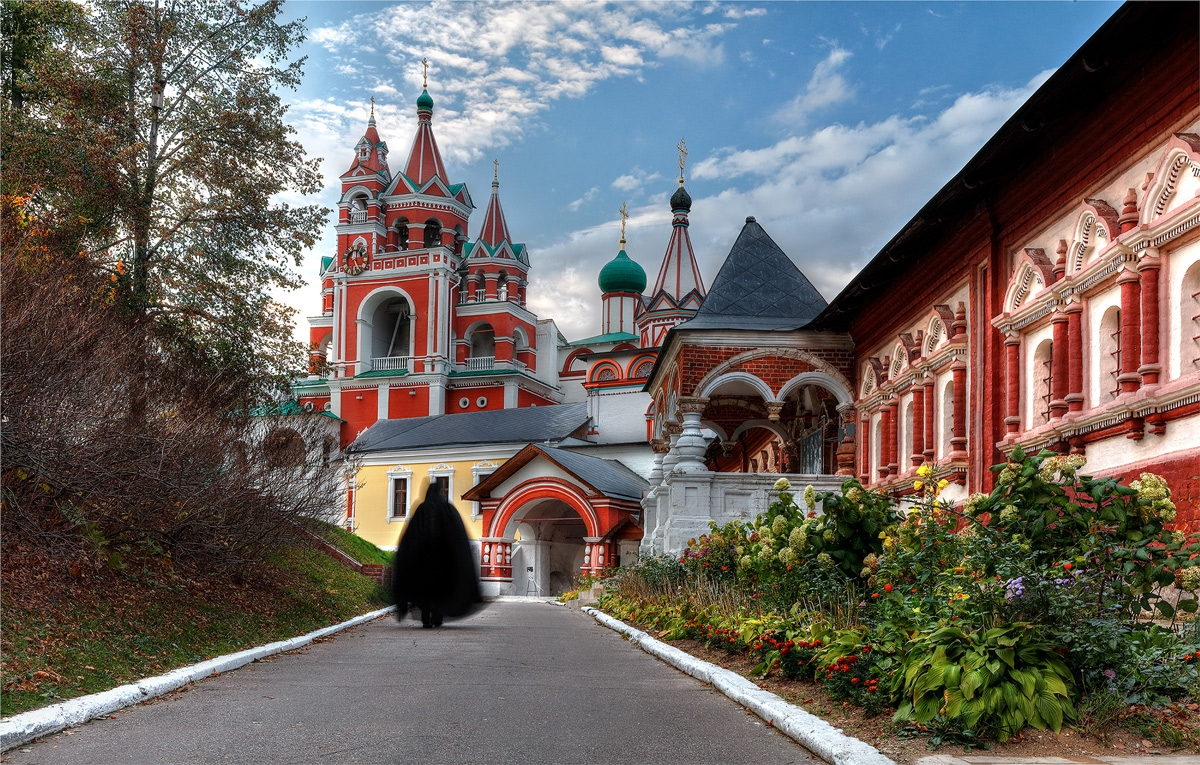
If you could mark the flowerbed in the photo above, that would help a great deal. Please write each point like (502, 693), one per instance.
(1055, 600)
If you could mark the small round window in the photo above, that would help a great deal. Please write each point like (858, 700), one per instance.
(481, 402)
(464, 403)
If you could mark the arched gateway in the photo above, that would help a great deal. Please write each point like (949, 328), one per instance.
(550, 515)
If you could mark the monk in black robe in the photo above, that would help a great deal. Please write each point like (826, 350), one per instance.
(434, 568)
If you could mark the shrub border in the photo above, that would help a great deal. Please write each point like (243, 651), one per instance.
(808, 730)
(25, 727)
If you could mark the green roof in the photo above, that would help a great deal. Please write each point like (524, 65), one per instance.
(287, 409)
(425, 101)
(326, 261)
(611, 337)
(382, 373)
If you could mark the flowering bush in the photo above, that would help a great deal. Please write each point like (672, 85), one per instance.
(981, 617)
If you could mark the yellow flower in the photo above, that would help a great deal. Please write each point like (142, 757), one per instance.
(924, 471)
(943, 484)
(918, 485)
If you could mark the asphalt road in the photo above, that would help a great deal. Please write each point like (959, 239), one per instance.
(517, 683)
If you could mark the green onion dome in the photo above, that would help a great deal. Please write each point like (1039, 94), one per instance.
(425, 101)
(621, 274)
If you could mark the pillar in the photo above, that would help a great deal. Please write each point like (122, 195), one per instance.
(1074, 357)
(958, 439)
(918, 435)
(1148, 270)
(691, 445)
(1058, 376)
(930, 432)
(671, 458)
(416, 236)
(1131, 313)
(897, 444)
(1012, 371)
(660, 446)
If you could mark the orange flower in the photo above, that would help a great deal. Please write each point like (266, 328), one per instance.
(887, 588)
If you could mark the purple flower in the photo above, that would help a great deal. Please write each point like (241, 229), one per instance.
(1110, 674)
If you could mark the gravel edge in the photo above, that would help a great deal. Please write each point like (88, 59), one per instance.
(808, 730)
(25, 727)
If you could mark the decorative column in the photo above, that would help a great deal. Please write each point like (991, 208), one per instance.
(1074, 356)
(930, 432)
(898, 457)
(691, 445)
(1058, 376)
(958, 439)
(660, 446)
(1012, 371)
(590, 554)
(671, 458)
(1131, 311)
(846, 447)
(918, 434)
(1148, 269)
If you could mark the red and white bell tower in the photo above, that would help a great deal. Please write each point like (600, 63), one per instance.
(417, 319)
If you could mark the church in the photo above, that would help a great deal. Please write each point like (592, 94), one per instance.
(1048, 296)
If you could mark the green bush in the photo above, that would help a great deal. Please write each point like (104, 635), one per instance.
(999, 680)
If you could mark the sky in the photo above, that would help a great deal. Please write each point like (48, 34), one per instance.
(831, 123)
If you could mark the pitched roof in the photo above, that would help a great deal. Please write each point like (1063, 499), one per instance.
(494, 229)
(424, 159)
(497, 426)
(607, 477)
(758, 287)
(679, 274)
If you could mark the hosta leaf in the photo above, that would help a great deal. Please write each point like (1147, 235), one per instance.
(1054, 684)
(951, 676)
(971, 681)
(927, 708)
(1050, 709)
(1006, 655)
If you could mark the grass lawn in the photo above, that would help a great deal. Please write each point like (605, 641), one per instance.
(71, 627)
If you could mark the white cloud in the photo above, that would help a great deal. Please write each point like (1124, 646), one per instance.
(826, 87)
(741, 12)
(634, 180)
(587, 197)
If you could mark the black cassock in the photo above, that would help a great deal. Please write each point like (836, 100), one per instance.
(434, 569)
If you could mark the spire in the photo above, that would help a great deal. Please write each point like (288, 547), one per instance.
(494, 229)
(425, 160)
(370, 153)
(679, 274)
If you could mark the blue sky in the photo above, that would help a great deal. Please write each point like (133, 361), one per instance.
(831, 123)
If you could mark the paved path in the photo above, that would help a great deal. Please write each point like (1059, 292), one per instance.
(518, 683)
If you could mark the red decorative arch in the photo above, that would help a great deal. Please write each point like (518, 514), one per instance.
(599, 369)
(544, 488)
(572, 358)
(638, 360)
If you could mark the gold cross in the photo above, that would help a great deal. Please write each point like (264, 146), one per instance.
(372, 107)
(682, 159)
(496, 170)
(624, 216)
(425, 73)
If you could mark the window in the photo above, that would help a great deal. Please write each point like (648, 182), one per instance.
(443, 474)
(1043, 383)
(399, 493)
(479, 473)
(398, 503)
(1110, 355)
(1189, 321)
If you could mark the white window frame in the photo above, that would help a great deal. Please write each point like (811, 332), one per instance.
(398, 473)
(480, 471)
(442, 469)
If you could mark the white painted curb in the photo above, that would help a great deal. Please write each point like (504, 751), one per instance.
(25, 727)
(808, 730)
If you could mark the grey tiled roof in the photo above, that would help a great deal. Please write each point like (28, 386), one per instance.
(499, 426)
(609, 477)
(758, 287)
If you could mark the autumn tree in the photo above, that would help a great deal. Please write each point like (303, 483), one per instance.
(155, 131)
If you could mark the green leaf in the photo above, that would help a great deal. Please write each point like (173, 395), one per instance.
(1165, 608)
(1006, 654)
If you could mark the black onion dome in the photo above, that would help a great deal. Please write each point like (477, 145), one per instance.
(681, 200)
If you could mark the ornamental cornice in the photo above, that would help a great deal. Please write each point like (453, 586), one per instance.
(428, 202)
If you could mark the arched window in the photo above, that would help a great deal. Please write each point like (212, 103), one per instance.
(502, 285)
(947, 418)
(402, 234)
(1042, 379)
(906, 440)
(643, 368)
(391, 335)
(1189, 321)
(433, 232)
(1109, 343)
(876, 449)
(483, 348)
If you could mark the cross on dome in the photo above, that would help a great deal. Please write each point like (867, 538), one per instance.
(682, 158)
(624, 216)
